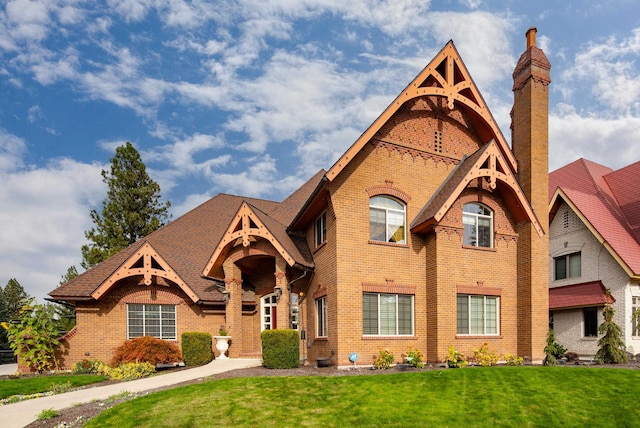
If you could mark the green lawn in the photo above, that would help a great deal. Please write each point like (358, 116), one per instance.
(471, 397)
(35, 384)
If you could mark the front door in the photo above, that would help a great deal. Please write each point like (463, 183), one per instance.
(268, 318)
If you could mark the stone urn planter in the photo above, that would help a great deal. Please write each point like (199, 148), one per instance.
(222, 344)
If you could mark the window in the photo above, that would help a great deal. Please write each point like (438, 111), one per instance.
(321, 229)
(635, 305)
(386, 220)
(478, 315)
(387, 314)
(590, 322)
(478, 225)
(321, 317)
(151, 320)
(568, 266)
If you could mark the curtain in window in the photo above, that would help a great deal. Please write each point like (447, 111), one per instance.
(575, 265)
(377, 224)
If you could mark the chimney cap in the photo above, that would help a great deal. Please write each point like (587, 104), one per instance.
(531, 37)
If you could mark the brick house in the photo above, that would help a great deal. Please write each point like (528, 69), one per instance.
(422, 235)
(594, 245)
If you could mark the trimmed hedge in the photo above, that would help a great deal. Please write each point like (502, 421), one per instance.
(197, 348)
(280, 349)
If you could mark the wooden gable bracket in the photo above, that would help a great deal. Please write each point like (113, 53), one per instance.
(445, 76)
(145, 262)
(244, 227)
(493, 167)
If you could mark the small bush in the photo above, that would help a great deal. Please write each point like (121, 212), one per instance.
(280, 349)
(572, 357)
(484, 357)
(130, 371)
(455, 359)
(553, 351)
(415, 357)
(513, 360)
(48, 414)
(86, 366)
(383, 360)
(146, 349)
(197, 348)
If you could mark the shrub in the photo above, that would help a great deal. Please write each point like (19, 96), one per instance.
(130, 371)
(572, 357)
(48, 414)
(513, 360)
(197, 348)
(383, 360)
(484, 357)
(280, 349)
(146, 349)
(415, 357)
(553, 350)
(611, 347)
(455, 359)
(86, 366)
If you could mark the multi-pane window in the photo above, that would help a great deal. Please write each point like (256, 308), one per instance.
(387, 220)
(321, 229)
(478, 225)
(635, 306)
(321, 317)
(568, 266)
(590, 316)
(478, 315)
(387, 314)
(151, 320)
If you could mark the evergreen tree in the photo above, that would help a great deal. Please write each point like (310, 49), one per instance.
(553, 350)
(65, 314)
(131, 210)
(611, 347)
(14, 297)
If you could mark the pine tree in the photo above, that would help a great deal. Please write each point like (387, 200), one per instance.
(131, 210)
(14, 297)
(611, 347)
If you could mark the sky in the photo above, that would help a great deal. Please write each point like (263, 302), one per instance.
(253, 97)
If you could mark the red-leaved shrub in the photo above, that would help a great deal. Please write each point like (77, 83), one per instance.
(147, 348)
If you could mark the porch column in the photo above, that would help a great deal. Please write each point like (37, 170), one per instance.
(233, 316)
(283, 310)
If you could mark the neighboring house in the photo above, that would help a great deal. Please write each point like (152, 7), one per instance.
(422, 235)
(594, 246)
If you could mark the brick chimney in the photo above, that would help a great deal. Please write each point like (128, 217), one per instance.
(530, 144)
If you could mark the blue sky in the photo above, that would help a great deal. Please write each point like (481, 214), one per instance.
(253, 97)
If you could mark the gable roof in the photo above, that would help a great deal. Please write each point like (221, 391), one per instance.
(486, 162)
(607, 202)
(185, 245)
(445, 76)
(579, 295)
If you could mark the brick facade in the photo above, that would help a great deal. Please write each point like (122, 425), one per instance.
(426, 150)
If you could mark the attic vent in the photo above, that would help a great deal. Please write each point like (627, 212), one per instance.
(437, 142)
(565, 219)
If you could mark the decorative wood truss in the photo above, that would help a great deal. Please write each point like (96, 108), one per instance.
(445, 76)
(245, 226)
(145, 262)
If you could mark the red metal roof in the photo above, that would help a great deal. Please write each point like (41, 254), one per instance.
(578, 295)
(609, 200)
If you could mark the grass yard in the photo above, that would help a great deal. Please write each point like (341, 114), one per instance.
(35, 384)
(470, 397)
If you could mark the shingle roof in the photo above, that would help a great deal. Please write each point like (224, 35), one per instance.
(579, 295)
(608, 200)
(187, 243)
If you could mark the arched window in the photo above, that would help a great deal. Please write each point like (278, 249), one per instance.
(478, 225)
(387, 220)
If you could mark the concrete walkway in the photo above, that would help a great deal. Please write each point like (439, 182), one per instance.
(24, 412)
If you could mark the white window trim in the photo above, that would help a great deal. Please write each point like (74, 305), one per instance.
(144, 322)
(321, 222)
(387, 210)
(476, 217)
(484, 315)
(413, 316)
(322, 329)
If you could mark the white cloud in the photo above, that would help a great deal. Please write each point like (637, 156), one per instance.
(12, 148)
(45, 212)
